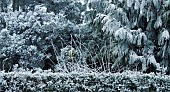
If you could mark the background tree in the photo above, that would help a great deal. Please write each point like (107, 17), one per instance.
(143, 20)
(15, 5)
(3, 4)
(117, 33)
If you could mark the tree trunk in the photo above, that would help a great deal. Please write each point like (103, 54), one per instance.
(23, 5)
(3, 5)
(15, 5)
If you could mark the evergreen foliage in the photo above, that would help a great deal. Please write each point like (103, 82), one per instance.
(107, 35)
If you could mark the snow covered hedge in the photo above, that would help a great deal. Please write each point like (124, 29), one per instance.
(38, 80)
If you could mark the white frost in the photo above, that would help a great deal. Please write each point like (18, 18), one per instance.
(152, 60)
(163, 37)
(129, 3)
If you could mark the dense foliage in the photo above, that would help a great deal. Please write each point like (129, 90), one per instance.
(22, 80)
(104, 35)
(90, 45)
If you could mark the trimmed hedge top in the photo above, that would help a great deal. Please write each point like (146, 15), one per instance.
(38, 80)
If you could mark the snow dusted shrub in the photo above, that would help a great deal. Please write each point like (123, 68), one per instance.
(67, 59)
(15, 51)
(31, 57)
(70, 59)
(30, 37)
(15, 46)
(8, 54)
(68, 54)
